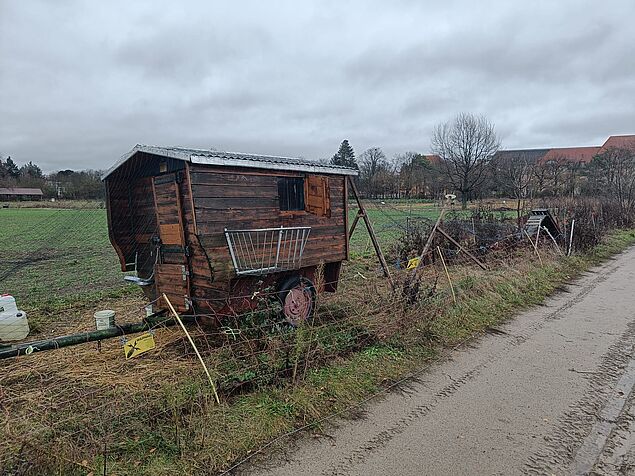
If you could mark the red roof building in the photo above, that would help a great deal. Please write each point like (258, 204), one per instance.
(579, 155)
(619, 142)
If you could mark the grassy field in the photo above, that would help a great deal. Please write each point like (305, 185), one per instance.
(56, 254)
(156, 414)
(56, 260)
(64, 253)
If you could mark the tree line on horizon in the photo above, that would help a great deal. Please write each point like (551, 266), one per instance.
(469, 167)
(63, 184)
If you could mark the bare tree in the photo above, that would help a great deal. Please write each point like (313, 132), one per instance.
(554, 171)
(614, 171)
(514, 174)
(373, 165)
(465, 145)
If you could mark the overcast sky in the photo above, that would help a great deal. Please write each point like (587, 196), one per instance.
(83, 82)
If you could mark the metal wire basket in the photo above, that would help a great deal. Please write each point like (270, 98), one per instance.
(267, 250)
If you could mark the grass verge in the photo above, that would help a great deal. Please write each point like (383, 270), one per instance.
(255, 419)
(341, 384)
(163, 417)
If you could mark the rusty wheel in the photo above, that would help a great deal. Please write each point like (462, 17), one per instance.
(297, 296)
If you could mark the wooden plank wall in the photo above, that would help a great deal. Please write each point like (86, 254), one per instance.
(133, 220)
(249, 199)
(203, 280)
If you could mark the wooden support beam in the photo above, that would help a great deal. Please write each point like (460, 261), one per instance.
(362, 213)
(350, 233)
(447, 273)
(553, 240)
(429, 242)
(456, 243)
(534, 246)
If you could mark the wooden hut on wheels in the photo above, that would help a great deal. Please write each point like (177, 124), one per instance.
(213, 229)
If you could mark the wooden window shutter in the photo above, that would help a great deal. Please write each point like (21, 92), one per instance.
(318, 196)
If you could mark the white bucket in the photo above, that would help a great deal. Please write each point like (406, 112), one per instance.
(104, 319)
(7, 304)
(13, 326)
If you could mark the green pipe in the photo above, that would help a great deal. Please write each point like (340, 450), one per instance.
(28, 348)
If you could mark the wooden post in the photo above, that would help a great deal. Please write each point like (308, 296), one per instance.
(355, 220)
(533, 245)
(554, 241)
(348, 244)
(447, 273)
(429, 242)
(371, 232)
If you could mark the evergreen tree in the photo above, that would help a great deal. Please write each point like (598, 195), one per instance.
(11, 168)
(31, 171)
(345, 156)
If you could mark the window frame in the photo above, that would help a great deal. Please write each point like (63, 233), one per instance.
(291, 194)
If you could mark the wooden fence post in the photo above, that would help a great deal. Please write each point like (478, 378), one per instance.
(362, 213)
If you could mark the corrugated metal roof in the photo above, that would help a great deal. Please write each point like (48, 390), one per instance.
(235, 159)
(20, 191)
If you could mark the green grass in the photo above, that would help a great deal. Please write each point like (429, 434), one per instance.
(64, 255)
(54, 257)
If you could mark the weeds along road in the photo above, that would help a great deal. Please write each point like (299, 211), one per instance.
(549, 392)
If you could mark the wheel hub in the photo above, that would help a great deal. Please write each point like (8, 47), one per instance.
(297, 304)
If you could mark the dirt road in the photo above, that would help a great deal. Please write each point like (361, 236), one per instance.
(549, 392)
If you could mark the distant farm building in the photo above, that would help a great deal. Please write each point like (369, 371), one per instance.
(619, 142)
(16, 193)
(433, 159)
(568, 155)
(532, 155)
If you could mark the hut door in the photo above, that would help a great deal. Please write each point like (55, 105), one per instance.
(172, 274)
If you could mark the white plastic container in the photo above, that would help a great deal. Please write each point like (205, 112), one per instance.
(13, 326)
(7, 304)
(104, 319)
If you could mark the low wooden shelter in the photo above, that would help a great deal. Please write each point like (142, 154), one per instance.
(20, 193)
(214, 230)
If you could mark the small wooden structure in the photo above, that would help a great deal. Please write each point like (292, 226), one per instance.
(20, 193)
(213, 230)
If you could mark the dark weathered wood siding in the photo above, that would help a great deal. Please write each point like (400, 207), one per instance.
(210, 199)
(244, 199)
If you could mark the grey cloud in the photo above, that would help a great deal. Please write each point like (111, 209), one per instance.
(81, 82)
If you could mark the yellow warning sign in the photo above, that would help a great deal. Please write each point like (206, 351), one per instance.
(413, 263)
(139, 345)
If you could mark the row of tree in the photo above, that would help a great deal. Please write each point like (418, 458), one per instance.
(66, 184)
(467, 163)
(471, 166)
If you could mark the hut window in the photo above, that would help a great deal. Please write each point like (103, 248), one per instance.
(291, 193)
